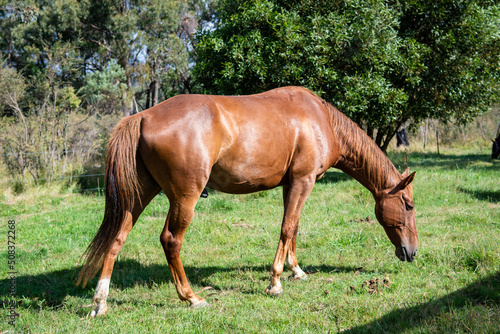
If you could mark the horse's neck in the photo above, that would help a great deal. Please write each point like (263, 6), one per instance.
(361, 158)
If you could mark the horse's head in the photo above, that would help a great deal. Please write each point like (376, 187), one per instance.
(395, 211)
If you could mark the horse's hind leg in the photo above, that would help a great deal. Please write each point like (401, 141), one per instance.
(179, 216)
(295, 198)
(149, 190)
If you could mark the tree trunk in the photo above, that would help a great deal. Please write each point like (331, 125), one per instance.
(154, 92)
(388, 139)
(128, 101)
(127, 106)
(425, 133)
(437, 136)
(379, 137)
(127, 98)
(148, 97)
(369, 131)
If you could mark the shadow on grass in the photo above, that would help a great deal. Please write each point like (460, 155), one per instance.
(333, 175)
(51, 289)
(416, 160)
(484, 293)
(444, 161)
(482, 195)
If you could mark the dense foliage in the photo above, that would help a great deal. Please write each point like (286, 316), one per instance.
(141, 47)
(383, 63)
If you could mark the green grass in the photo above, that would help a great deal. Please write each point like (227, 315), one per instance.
(452, 287)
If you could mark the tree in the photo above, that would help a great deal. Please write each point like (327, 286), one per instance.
(151, 40)
(381, 62)
(460, 75)
(160, 22)
(36, 138)
(103, 89)
(30, 28)
(69, 67)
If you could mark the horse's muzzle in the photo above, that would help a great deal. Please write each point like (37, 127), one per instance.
(405, 255)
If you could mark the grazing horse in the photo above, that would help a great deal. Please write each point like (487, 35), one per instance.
(286, 137)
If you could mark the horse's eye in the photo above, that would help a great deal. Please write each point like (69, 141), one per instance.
(409, 206)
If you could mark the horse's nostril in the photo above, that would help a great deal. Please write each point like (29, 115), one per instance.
(405, 255)
(411, 256)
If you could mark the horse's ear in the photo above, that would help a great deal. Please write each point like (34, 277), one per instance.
(404, 182)
(407, 180)
(405, 173)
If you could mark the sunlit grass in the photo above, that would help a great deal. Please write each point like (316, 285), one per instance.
(453, 285)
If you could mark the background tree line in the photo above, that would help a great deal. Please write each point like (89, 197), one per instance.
(70, 69)
(384, 63)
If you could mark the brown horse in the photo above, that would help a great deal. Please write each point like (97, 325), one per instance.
(286, 137)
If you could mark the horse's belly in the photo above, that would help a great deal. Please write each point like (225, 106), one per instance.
(245, 179)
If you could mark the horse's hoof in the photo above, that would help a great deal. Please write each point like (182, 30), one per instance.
(99, 310)
(274, 292)
(294, 277)
(201, 304)
(277, 293)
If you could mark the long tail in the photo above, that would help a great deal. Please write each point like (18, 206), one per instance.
(122, 188)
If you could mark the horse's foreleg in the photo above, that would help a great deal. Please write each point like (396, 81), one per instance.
(179, 216)
(295, 196)
(291, 258)
(292, 263)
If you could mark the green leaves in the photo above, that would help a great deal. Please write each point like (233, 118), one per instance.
(461, 79)
(345, 51)
(103, 89)
(384, 64)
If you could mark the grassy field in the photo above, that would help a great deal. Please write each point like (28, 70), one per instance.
(356, 284)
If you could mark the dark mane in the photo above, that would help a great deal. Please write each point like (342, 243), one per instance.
(360, 153)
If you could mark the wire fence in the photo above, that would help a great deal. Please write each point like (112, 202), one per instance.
(71, 177)
(53, 178)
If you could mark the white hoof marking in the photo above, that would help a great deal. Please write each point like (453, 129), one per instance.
(201, 304)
